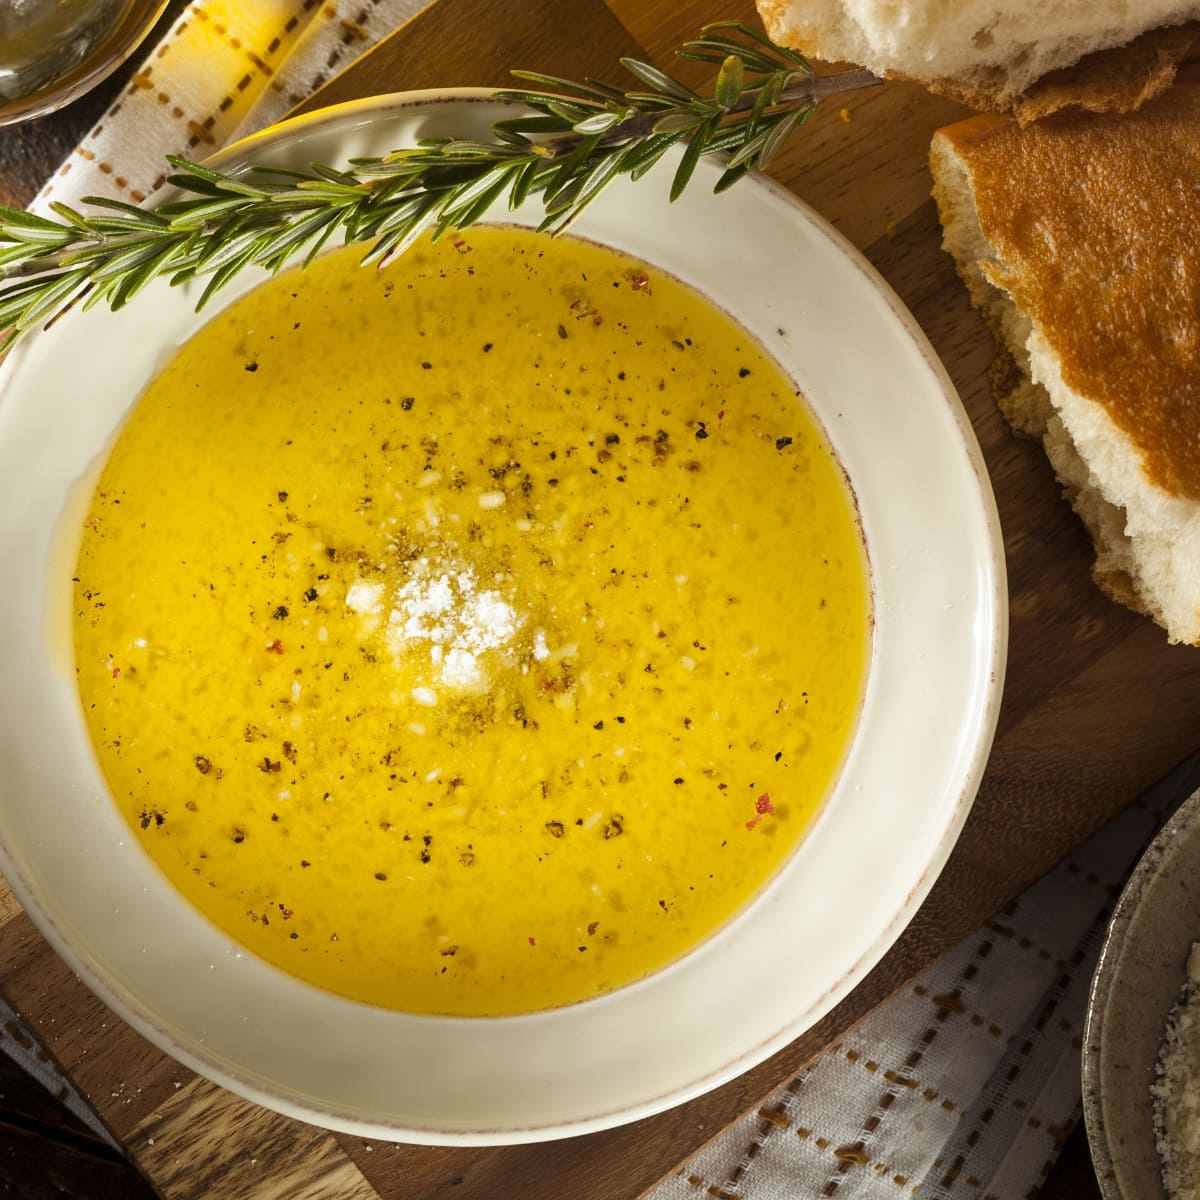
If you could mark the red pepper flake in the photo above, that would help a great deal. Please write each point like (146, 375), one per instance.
(287, 912)
(533, 941)
(275, 647)
(583, 310)
(640, 281)
(116, 672)
(762, 806)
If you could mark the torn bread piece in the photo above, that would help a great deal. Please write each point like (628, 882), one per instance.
(1120, 79)
(1077, 238)
(1030, 57)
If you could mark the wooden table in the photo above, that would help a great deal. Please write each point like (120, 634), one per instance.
(1097, 706)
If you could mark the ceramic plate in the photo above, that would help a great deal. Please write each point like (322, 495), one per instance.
(933, 687)
(1142, 967)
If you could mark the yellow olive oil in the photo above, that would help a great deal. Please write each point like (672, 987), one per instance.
(473, 636)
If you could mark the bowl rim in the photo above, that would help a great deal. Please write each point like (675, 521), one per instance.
(991, 620)
(1138, 891)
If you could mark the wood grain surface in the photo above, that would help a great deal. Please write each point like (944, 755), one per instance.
(45, 1150)
(1096, 706)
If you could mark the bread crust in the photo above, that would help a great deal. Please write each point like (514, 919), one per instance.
(1076, 238)
(1116, 79)
(1120, 79)
(1094, 221)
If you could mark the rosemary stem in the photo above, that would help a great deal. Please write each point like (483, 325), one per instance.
(814, 89)
(820, 86)
(270, 217)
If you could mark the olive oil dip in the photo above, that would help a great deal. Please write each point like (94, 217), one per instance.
(473, 636)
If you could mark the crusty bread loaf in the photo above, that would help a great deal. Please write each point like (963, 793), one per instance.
(1077, 238)
(991, 53)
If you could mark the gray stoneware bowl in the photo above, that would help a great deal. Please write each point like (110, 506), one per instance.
(1142, 968)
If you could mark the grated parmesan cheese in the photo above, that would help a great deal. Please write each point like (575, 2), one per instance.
(442, 611)
(1176, 1090)
(365, 598)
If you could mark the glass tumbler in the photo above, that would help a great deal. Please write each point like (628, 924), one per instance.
(52, 51)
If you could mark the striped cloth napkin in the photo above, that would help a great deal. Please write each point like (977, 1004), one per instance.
(225, 69)
(966, 1083)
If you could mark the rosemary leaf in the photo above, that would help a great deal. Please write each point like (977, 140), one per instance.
(598, 122)
(207, 175)
(18, 218)
(730, 176)
(570, 201)
(523, 184)
(779, 53)
(468, 208)
(397, 240)
(127, 261)
(224, 274)
(321, 239)
(342, 178)
(187, 214)
(135, 280)
(44, 301)
(730, 81)
(587, 90)
(780, 134)
(542, 123)
(676, 122)
(489, 186)
(640, 158)
(39, 235)
(658, 80)
(277, 247)
(691, 156)
(144, 218)
(606, 89)
(13, 254)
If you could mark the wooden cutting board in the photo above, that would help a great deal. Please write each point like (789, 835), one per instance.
(1097, 706)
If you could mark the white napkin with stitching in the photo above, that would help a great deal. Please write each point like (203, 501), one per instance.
(965, 1084)
(224, 70)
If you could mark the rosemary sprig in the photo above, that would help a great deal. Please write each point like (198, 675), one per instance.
(575, 139)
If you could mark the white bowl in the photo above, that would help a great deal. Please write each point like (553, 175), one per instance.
(934, 683)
